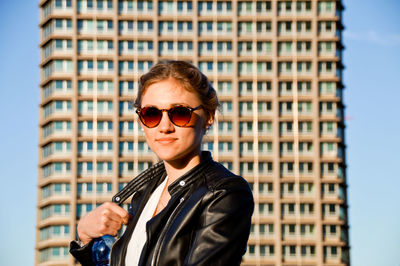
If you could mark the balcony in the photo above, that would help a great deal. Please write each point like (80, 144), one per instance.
(135, 8)
(327, 8)
(53, 255)
(56, 170)
(265, 210)
(57, 109)
(57, 88)
(56, 7)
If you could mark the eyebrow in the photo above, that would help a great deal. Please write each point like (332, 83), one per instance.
(171, 105)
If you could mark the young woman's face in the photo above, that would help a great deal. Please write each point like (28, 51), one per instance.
(170, 142)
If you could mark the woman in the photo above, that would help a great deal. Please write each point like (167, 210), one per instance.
(187, 209)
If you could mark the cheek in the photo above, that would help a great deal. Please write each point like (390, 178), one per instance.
(198, 131)
(148, 135)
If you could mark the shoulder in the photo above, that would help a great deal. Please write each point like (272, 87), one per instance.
(227, 196)
(219, 178)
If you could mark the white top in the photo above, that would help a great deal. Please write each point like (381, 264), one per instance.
(139, 237)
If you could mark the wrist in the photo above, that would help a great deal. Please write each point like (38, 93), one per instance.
(83, 240)
(80, 243)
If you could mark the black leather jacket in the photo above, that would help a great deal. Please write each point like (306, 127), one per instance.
(206, 222)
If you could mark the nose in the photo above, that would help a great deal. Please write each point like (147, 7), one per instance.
(165, 124)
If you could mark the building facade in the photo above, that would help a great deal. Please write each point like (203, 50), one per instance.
(277, 67)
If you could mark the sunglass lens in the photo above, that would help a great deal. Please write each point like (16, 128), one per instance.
(151, 116)
(180, 115)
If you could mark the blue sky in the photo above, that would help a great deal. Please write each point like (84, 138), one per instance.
(372, 98)
(372, 75)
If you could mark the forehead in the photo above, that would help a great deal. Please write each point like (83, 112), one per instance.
(168, 92)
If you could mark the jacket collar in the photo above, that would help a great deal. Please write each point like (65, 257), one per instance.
(158, 171)
(192, 175)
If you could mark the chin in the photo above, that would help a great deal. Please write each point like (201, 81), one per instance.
(175, 155)
(167, 155)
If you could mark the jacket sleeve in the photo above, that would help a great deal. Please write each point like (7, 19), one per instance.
(82, 254)
(224, 228)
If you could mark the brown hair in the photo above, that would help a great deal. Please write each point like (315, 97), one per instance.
(191, 78)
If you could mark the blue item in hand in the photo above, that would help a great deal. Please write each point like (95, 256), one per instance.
(101, 250)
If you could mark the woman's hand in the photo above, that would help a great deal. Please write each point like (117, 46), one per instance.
(106, 219)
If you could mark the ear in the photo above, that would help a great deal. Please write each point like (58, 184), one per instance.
(209, 122)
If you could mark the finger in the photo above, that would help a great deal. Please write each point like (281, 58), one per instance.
(110, 227)
(126, 220)
(124, 215)
(110, 215)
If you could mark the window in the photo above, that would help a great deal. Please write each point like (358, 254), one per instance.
(264, 26)
(252, 249)
(265, 188)
(264, 167)
(263, 67)
(333, 251)
(59, 23)
(264, 208)
(58, 3)
(288, 46)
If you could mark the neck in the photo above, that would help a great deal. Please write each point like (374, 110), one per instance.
(177, 168)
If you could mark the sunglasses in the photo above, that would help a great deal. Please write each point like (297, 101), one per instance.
(179, 115)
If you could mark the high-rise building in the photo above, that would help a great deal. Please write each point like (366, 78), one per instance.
(277, 66)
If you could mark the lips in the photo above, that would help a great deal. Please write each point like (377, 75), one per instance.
(165, 140)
